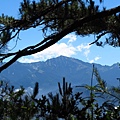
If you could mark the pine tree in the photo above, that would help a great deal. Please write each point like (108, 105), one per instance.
(57, 19)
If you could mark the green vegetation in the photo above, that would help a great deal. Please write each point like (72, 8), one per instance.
(65, 104)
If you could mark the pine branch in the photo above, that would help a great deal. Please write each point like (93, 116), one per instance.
(50, 40)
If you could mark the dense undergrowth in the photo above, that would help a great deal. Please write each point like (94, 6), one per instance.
(65, 105)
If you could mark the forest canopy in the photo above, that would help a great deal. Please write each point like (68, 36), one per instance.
(57, 18)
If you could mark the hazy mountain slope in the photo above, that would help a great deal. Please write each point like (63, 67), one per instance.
(48, 73)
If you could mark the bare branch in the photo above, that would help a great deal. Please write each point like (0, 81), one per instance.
(98, 37)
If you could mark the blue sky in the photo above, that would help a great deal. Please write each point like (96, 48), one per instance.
(71, 45)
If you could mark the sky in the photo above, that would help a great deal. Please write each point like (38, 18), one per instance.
(71, 45)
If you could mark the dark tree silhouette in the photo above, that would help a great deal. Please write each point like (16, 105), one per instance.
(61, 17)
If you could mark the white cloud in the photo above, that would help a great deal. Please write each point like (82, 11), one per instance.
(86, 52)
(91, 61)
(27, 60)
(65, 49)
(85, 48)
(71, 38)
(56, 50)
(95, 59)
(53, 51)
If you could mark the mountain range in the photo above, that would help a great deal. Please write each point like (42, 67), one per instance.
(52, 71)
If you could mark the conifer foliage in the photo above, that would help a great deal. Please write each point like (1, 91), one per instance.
(57, 18)
(64, 104)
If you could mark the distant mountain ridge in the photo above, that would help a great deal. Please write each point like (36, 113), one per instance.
(50, 72)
